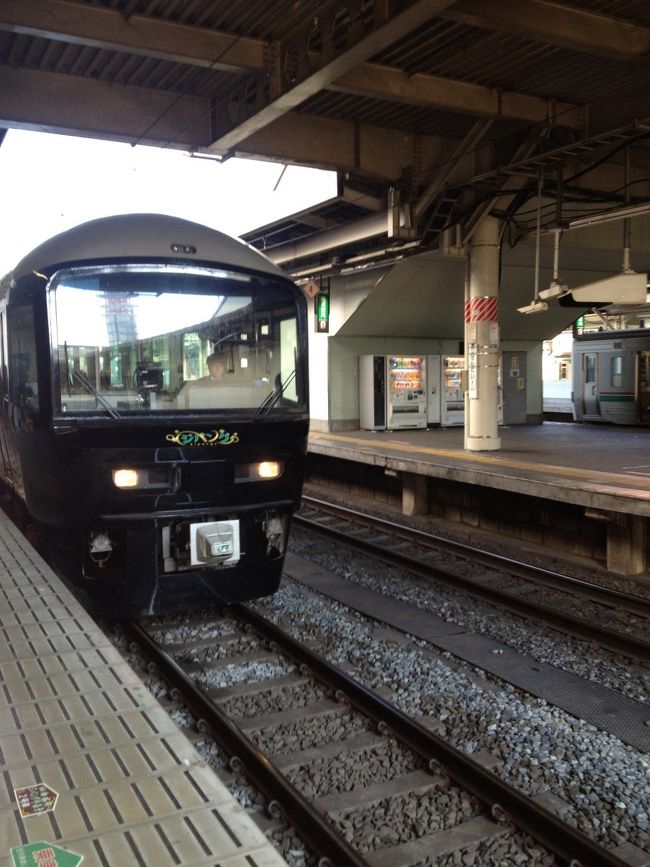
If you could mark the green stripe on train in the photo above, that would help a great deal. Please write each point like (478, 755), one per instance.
(616, 398)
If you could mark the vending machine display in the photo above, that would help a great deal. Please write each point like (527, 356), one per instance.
(453, 397)
(407, 400)
(392, 392)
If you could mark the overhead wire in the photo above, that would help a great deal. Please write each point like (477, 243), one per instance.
(185, 92)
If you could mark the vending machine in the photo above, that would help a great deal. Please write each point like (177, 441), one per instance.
(434, 390)
(406, 392)
(392, 392)
(372, 392)
(452, 407)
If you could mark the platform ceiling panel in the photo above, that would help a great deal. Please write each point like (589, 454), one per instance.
(268, 59)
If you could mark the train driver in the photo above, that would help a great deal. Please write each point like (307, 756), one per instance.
(216, 369)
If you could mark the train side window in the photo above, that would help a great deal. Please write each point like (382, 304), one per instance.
(644, 369)
(617, 371)
(590, 368)
(23, 380)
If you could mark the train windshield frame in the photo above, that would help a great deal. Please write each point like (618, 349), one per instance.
(153, 339)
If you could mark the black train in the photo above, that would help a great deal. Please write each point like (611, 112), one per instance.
(156, 487)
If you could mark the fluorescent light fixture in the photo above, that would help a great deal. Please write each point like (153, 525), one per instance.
(534, 307)
(608, 216)
(554, 291)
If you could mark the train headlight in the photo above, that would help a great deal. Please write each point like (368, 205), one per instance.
(126, 478)
(259, 472)
(145, 478)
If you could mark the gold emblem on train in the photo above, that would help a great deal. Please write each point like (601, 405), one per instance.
(219, 437)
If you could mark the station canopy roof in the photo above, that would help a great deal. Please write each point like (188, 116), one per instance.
(432, 112)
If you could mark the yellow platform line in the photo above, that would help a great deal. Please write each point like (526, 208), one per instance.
(490, 460)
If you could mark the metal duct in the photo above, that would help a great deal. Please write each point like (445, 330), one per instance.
(329, 240)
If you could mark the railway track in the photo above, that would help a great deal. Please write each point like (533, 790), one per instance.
(614, 620)
(317, 722)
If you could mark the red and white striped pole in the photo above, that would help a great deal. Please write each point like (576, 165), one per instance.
(482, 340)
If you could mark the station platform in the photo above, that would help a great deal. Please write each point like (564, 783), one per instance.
(604, 471)
(94, 770)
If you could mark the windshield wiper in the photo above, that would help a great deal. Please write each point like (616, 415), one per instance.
(87, 384)
(271, 399)
(67, 369)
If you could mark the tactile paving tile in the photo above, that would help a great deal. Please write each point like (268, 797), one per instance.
(127, 787)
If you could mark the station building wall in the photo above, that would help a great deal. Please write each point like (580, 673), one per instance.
(335, 374)
(334, 357)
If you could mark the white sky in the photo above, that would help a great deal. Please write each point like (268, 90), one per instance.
(83, 321)
(50, 183)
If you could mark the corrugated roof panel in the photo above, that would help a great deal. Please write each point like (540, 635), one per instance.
(264, 19)
(635, 11)
(394, 115)
(111, 66)
(507, 61)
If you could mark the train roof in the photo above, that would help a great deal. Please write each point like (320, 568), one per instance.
(133, 237)
(613, 334)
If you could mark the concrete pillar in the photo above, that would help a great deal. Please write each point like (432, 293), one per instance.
(626, 544)
(414, 494)
(482, 339)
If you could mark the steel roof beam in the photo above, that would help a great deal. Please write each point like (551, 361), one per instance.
(66, 21)
(389, 83)
(437, 186)
(557, 24)
(362, 229)
(293, 80)
(544, 20)
(329, 143)
(83, 24)
(52, 102)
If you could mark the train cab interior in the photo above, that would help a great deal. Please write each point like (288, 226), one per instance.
(134, 361)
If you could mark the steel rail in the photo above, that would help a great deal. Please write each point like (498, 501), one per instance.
(569, 844)
(631, 645)
(604, 595)
(312, 825)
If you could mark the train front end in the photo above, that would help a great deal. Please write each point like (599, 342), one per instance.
(160, 487)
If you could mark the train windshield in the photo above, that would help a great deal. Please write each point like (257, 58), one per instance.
(158, 339)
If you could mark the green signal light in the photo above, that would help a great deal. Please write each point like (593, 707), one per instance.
(323, 307)
(322, 310)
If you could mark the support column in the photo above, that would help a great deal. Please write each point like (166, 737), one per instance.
(482, 339)
(414, 494)
(626, 544)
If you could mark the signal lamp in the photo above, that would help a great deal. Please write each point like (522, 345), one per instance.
(322, 309)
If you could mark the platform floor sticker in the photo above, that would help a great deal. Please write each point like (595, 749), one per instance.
(36, 799)
(44, 855)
